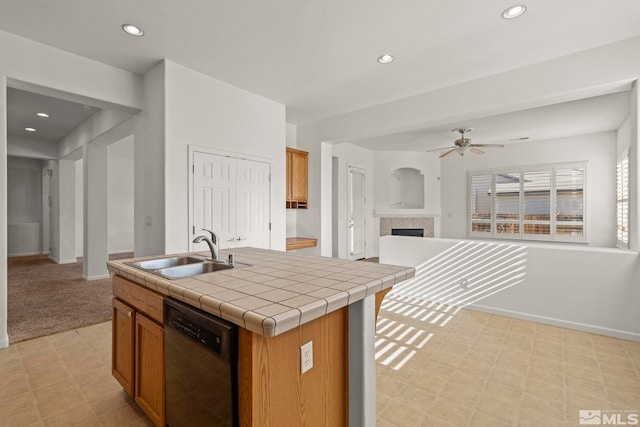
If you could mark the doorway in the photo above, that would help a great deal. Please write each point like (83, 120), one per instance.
(356, 222)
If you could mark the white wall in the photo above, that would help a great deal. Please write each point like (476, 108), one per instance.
(24, 206)
(353, 155)
(585, 288)
(598, 149)
(120, 195)
(120, 198)
(206, 112)
(79, 191)
(4, 337)
(21, 146)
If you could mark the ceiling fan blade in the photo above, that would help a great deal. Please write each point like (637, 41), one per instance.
(487, 145)
(440, 149)
(476, 151)
(447, 153)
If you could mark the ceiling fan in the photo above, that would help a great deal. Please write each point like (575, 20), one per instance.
(464, 145)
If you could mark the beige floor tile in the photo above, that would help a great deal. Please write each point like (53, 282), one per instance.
(79, 416)
(481, 419)
(453, 412)
(534, 405)
(23, 417)
(16, 403)
(60, 403)
(400, 414)
(461, 395)
(499, 409)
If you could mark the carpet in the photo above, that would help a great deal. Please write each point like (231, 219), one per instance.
(45, 298)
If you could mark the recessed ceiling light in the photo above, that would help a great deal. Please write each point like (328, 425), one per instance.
(30, 129)
(133, 30)
(385, 59)
(42, 115)
(514, 11)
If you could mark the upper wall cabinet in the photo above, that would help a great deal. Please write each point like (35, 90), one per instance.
(297, 164)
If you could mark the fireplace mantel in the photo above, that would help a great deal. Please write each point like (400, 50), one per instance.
(404, 213)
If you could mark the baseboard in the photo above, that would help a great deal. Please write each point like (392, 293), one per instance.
(616, 333)
(26, 254)
(99, 277)
(64, 261)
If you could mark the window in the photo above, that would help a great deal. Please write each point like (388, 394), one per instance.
(533, 203)
(622, 202)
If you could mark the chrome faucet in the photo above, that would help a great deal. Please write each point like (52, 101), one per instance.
(212, 242)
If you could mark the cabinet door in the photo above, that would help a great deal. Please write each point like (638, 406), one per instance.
(122, 357)
(299, 176)
(149, 379)
(289, 175)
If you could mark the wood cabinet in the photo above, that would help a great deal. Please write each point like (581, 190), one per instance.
(297, 178)
(138, 346)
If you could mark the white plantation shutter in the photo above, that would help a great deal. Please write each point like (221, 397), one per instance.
(622, 202)
(537, 203)
(480, 204)
(569, 202)
(533, 203)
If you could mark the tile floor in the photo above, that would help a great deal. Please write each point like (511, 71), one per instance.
(64, 380)
(464, 369)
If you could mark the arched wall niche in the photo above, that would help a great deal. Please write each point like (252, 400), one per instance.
(406, 188)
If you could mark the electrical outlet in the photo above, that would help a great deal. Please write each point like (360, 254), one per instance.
(306, 357)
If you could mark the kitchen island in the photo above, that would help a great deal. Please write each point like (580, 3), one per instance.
(282, 301)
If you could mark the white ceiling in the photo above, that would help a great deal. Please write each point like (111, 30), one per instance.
(65, 116)
(585, 116)
(319, 57)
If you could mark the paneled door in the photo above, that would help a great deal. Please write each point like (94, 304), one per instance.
(252, 184)
(357, 208)
(231, 197)
(214, 197)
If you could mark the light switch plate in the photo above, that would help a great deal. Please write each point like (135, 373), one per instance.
(306, 357)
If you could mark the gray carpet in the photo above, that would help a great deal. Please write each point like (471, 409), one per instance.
(45, 297)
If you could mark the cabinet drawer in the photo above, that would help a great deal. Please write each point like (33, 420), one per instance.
(142, 299)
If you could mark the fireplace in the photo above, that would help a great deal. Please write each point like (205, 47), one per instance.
(414, 232)
(410, 226)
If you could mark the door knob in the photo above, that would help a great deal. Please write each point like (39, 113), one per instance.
(232, 239)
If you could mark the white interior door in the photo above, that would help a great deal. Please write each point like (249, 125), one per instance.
(356, 220)
(232, 198)
(253, 201)
(214, 197)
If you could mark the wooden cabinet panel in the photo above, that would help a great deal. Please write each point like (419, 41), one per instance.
(122, 351)
(139, 297)
(149, 377)
(273, 392)
(297, 179)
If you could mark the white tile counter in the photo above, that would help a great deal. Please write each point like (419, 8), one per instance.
(277, 291)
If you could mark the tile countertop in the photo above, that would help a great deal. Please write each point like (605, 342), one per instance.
(277, 292)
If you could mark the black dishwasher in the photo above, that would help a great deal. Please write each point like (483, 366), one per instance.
(201, 367)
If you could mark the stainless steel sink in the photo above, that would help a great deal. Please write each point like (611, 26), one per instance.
(191, 270)
(155, 264)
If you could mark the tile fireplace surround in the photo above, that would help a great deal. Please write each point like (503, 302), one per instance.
(386, 224)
